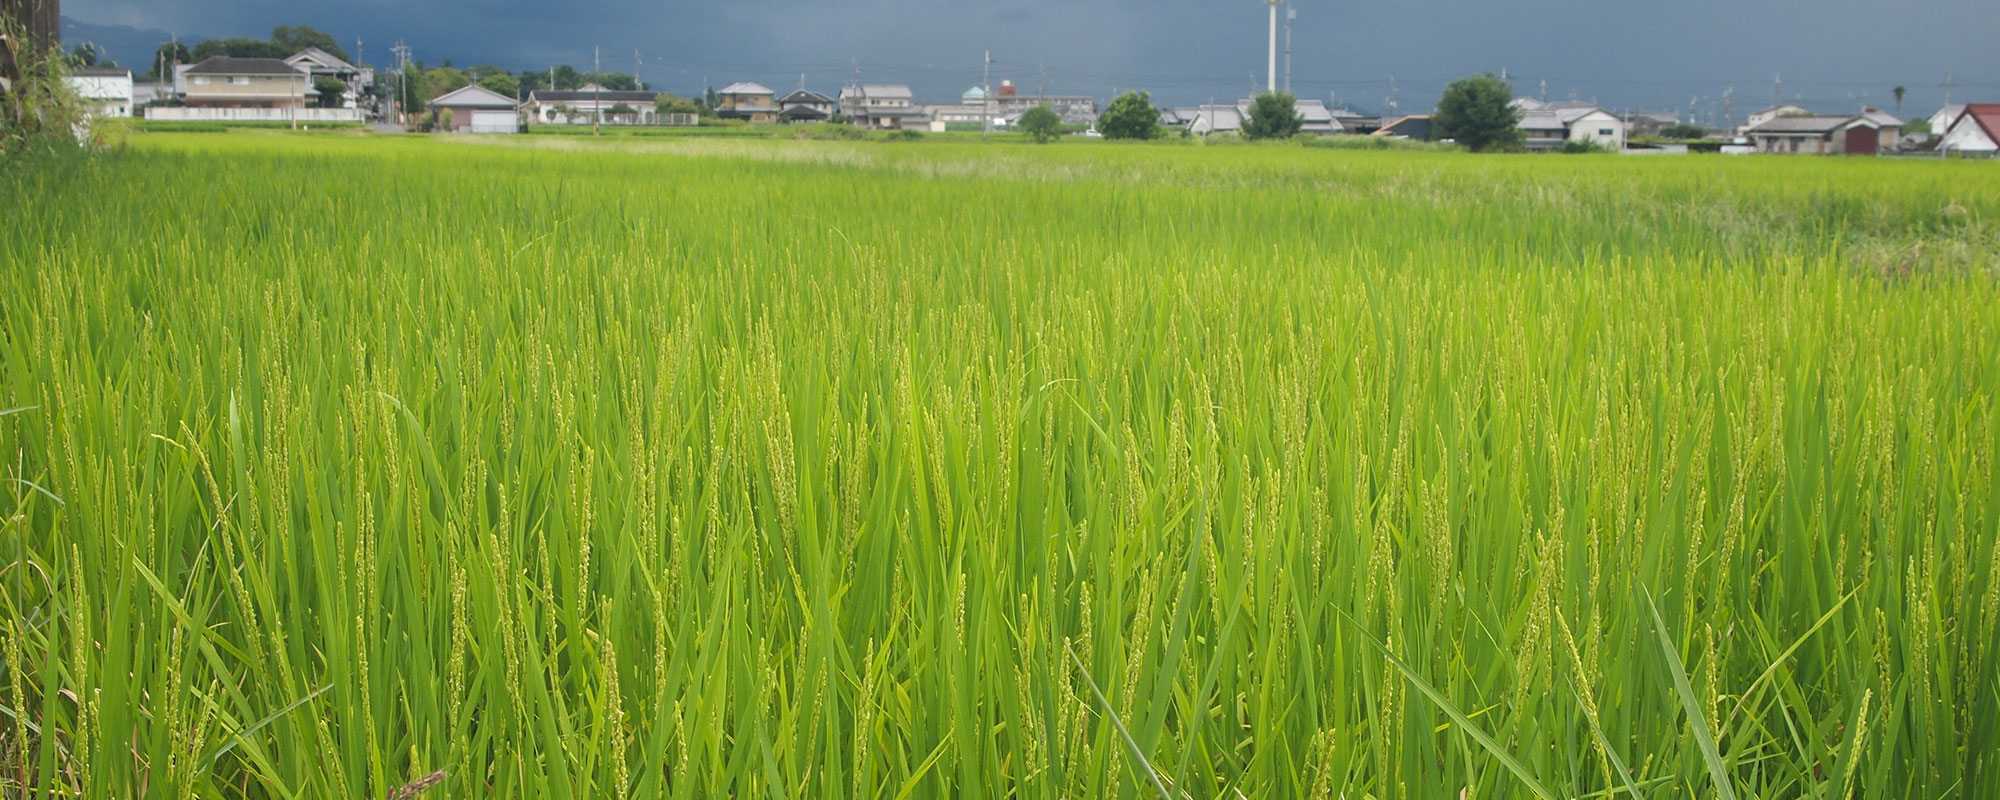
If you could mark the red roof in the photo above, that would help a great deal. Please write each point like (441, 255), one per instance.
(1986, 115)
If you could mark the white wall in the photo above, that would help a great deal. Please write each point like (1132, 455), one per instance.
(253, 114)
(1589, 127)
(107, 96)
(1967, 137)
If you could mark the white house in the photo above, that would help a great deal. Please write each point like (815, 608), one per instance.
(1944, 117)
(1977, 130)
(880, 106)
(580, 106)
(1316, 119)
(106, 91)
(477, 109)
(1549, 126)
(322, 64)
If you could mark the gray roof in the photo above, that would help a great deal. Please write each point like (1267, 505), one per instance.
(1540, 121)
(802, 112)
(1570, 114)
(888, 91)
(328, 60)
(226, 65)
(805, 96)
(1882, 118)
(1802, 125)
(745, 87)
(100, 72)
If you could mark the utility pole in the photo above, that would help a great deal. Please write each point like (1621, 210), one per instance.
(635, 70)
(596, 91)
(1947, 87)
(986, 98)
(401, 105)
(1545, 90)
(1729, 107)
(1290, 15)
(1777, 90)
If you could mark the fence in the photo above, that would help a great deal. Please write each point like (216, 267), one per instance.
(301, 115)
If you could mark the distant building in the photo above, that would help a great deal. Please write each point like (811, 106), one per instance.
(1313, 114)
(477, 109)
(805, 106)
(1945, 117)
(1774, 112)
(225, 82)
(1550, 126)
(106, 91)
(1976, 130)
(1355, 122)
(225, 89)
(591, 102)
(322, 64)
(876, 105)
(746, 101)
(1008, 101)
(1891, 128)
(1816, 135)
(1415, 127)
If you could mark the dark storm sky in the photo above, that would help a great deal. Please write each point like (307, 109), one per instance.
(1656, 55)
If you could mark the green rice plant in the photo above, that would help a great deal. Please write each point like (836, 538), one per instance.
(359, 466)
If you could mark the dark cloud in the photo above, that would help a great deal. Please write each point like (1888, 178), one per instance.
(1830, 53)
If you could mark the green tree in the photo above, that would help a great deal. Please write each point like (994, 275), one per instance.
(502, 83)
(1130, 116)
(239, 47)
(1684, 131)
(1477, 111)
(667, 103)
(444, 79)
(1273, 115)
(568, 78)
(299, 37)
(1042, 124)
(1899, 92)
(414, 88)
(330, 91)
(84, 55)
(165, 58)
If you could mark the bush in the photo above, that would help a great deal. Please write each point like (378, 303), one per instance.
(904, 135)
(42, 112)
(1041, 124)
(1131, 116)
(1684, 132)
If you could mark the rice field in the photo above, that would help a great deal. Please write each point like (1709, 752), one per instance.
(340, 466)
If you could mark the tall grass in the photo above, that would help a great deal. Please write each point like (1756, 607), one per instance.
(806, 469)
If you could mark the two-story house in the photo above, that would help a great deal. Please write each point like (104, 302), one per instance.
(877, 106)
(226, 82)
(746, 101)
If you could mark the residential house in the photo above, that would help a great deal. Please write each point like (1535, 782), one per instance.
(1816, 135)
(1550, 126)
(1178, 116)
(876, 106)
(1352, 121)
(805, 106)
(1976, 130)
(1944, 117)
(1415, 127)
(1774, 112)
(1212, 118)
(105, 91)
(1888, 124)
(746, 101)
(591, 102)
(477, 109)
(322, 64)
(226, 82)
(1316, 119)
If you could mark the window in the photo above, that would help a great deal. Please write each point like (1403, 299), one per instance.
(201, 80)
(1604, 131)
(239, 80)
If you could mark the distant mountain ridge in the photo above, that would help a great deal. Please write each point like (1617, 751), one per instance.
(131, 47)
